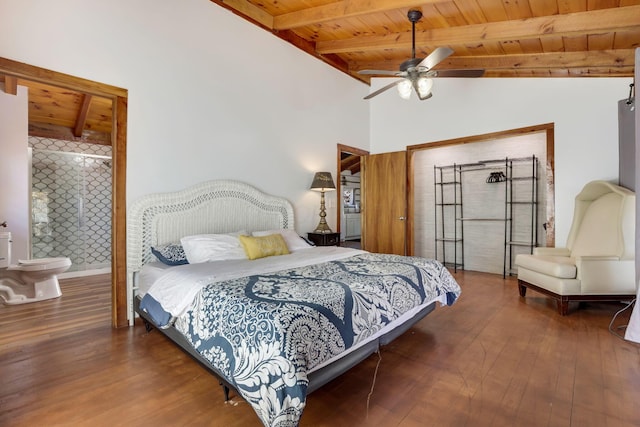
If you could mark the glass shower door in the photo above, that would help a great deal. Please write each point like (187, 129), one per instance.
(71, 208)
(95, 212)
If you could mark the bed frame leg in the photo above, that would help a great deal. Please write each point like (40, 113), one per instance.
(147, 326)
(225, 389)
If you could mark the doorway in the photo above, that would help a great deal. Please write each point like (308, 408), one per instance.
(349, 186)
(14, 73)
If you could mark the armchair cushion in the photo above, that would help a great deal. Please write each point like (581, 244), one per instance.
(557, 266)
(552, 251)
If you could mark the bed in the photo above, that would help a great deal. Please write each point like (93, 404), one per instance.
(280, 325)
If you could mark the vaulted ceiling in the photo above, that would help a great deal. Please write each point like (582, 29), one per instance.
(506, 38)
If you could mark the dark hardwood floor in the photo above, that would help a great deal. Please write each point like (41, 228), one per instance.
(492, 359)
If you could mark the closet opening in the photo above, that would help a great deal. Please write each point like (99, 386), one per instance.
(478, 201)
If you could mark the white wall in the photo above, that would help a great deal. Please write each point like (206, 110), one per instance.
(14, 170)
(584, 111)
(210, 95)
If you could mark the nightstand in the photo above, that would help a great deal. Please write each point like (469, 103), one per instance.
(325, 239)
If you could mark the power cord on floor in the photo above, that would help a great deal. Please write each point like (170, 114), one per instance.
(611, 328)
(373, 383)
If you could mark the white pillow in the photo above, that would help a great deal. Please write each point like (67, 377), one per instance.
(291, 238)
(212, 247)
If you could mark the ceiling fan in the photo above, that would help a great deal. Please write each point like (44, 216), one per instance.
(417, 73)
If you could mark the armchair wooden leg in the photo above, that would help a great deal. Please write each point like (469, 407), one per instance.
(522, 289)
(563, 306)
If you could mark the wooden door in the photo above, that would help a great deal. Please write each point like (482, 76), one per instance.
(384, 201)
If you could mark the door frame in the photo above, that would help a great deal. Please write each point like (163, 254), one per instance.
(119, 98)
(352, 150)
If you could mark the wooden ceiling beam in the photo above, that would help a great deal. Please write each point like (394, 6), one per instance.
(349, 161)
(248, 10)
(21, 70)
(557, 72)
(618, 58)
(568, 25)
(10, 85)
(66, 134)
(341, 10)
(82, 116)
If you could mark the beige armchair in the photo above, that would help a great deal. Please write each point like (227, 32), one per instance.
(598, 263)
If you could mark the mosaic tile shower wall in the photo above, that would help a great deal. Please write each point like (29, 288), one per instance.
(71, 202)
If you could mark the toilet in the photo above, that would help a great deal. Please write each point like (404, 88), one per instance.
(30, 280)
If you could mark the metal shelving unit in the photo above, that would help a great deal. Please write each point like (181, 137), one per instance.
(448, 205)
(449, 236)
(527, 200)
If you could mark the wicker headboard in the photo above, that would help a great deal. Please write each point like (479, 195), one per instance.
(220, 206)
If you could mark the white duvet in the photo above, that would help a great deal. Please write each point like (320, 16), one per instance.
(176, 288)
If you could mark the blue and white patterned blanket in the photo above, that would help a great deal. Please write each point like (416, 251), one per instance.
(264, 333)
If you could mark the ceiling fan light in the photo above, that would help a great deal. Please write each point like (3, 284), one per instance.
(423, 87)
(404, 89)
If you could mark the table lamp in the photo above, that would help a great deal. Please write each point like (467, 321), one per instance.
(322, 181)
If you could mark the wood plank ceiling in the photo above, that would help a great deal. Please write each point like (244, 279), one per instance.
(506, 38)
(65, 114)
(523, 38)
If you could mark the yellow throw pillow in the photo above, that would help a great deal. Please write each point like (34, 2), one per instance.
(264, 246)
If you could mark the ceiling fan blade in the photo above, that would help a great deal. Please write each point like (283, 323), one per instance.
(382, 89)
(435, 57)
(459, 73)
(379, 72)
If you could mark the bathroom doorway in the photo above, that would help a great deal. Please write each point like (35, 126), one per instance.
(15, 74)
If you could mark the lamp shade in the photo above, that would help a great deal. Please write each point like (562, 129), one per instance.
(404, 89)
(323, 181)
(423, 86)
